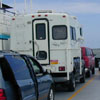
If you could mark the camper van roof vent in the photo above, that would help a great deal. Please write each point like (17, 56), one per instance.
(45, 11)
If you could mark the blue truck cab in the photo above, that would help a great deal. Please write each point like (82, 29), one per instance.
(28, 79)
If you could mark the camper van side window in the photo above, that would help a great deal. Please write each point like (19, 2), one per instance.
(40, 32)
(59, 32)
(73, 33)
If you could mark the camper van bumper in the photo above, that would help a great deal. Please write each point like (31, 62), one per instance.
(60, 79)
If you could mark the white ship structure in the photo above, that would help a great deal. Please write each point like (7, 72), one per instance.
(5, 17)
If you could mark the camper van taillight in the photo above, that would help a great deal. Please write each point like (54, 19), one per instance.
(39, 15)
(33, 16)
(62, 68)
(13, 18)
(46, 15)
(63, 16)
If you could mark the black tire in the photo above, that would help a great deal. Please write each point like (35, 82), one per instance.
(99, 69)
(51, 94)
(93, 70)
(88, 74)
(72, 83)
(82, 79)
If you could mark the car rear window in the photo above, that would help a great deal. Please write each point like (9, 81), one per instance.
(88, 52)
(6, 70)
(19, 67)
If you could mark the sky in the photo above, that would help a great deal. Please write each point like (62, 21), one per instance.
(86, 11)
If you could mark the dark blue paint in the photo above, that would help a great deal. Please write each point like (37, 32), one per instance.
(27, 82)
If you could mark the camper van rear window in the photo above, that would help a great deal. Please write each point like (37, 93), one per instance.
(40, 32)
(59, 32)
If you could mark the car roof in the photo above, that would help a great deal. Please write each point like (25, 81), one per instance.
(4, 53)
(86, 47)
(28, 56)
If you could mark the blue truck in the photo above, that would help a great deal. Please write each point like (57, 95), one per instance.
(23, 78)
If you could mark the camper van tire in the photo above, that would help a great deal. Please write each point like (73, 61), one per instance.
(88, 73)
(93, 70)
(82, 79)
(99, 69)
(72, 83)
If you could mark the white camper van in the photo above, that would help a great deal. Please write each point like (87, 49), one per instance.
(55, 40)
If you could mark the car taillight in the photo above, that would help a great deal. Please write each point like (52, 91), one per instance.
(62, 68)
(2, 95)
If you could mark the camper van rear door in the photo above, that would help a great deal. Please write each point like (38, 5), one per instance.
(41, 41)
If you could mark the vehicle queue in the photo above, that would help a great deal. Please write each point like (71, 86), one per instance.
(55, 40)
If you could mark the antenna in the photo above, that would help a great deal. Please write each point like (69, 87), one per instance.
(25, 1)
(15, 6)
(31, 8)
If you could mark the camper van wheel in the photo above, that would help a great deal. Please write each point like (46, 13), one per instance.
(72, 83)
(93, 70)
(82, 79)
(99, 69)
(88, 74)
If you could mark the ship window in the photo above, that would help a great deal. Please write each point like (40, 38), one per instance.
(59, 32)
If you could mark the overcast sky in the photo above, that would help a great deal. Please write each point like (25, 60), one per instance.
(87, 12)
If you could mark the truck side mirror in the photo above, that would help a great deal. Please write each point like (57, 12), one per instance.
(47, 71)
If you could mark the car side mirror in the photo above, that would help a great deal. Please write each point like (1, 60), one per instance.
(47, 71)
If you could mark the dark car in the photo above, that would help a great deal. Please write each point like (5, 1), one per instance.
(27, 79)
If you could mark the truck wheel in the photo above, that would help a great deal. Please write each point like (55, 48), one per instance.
(72, 83)
(82, 79)
(93, 71)
(51, 94)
